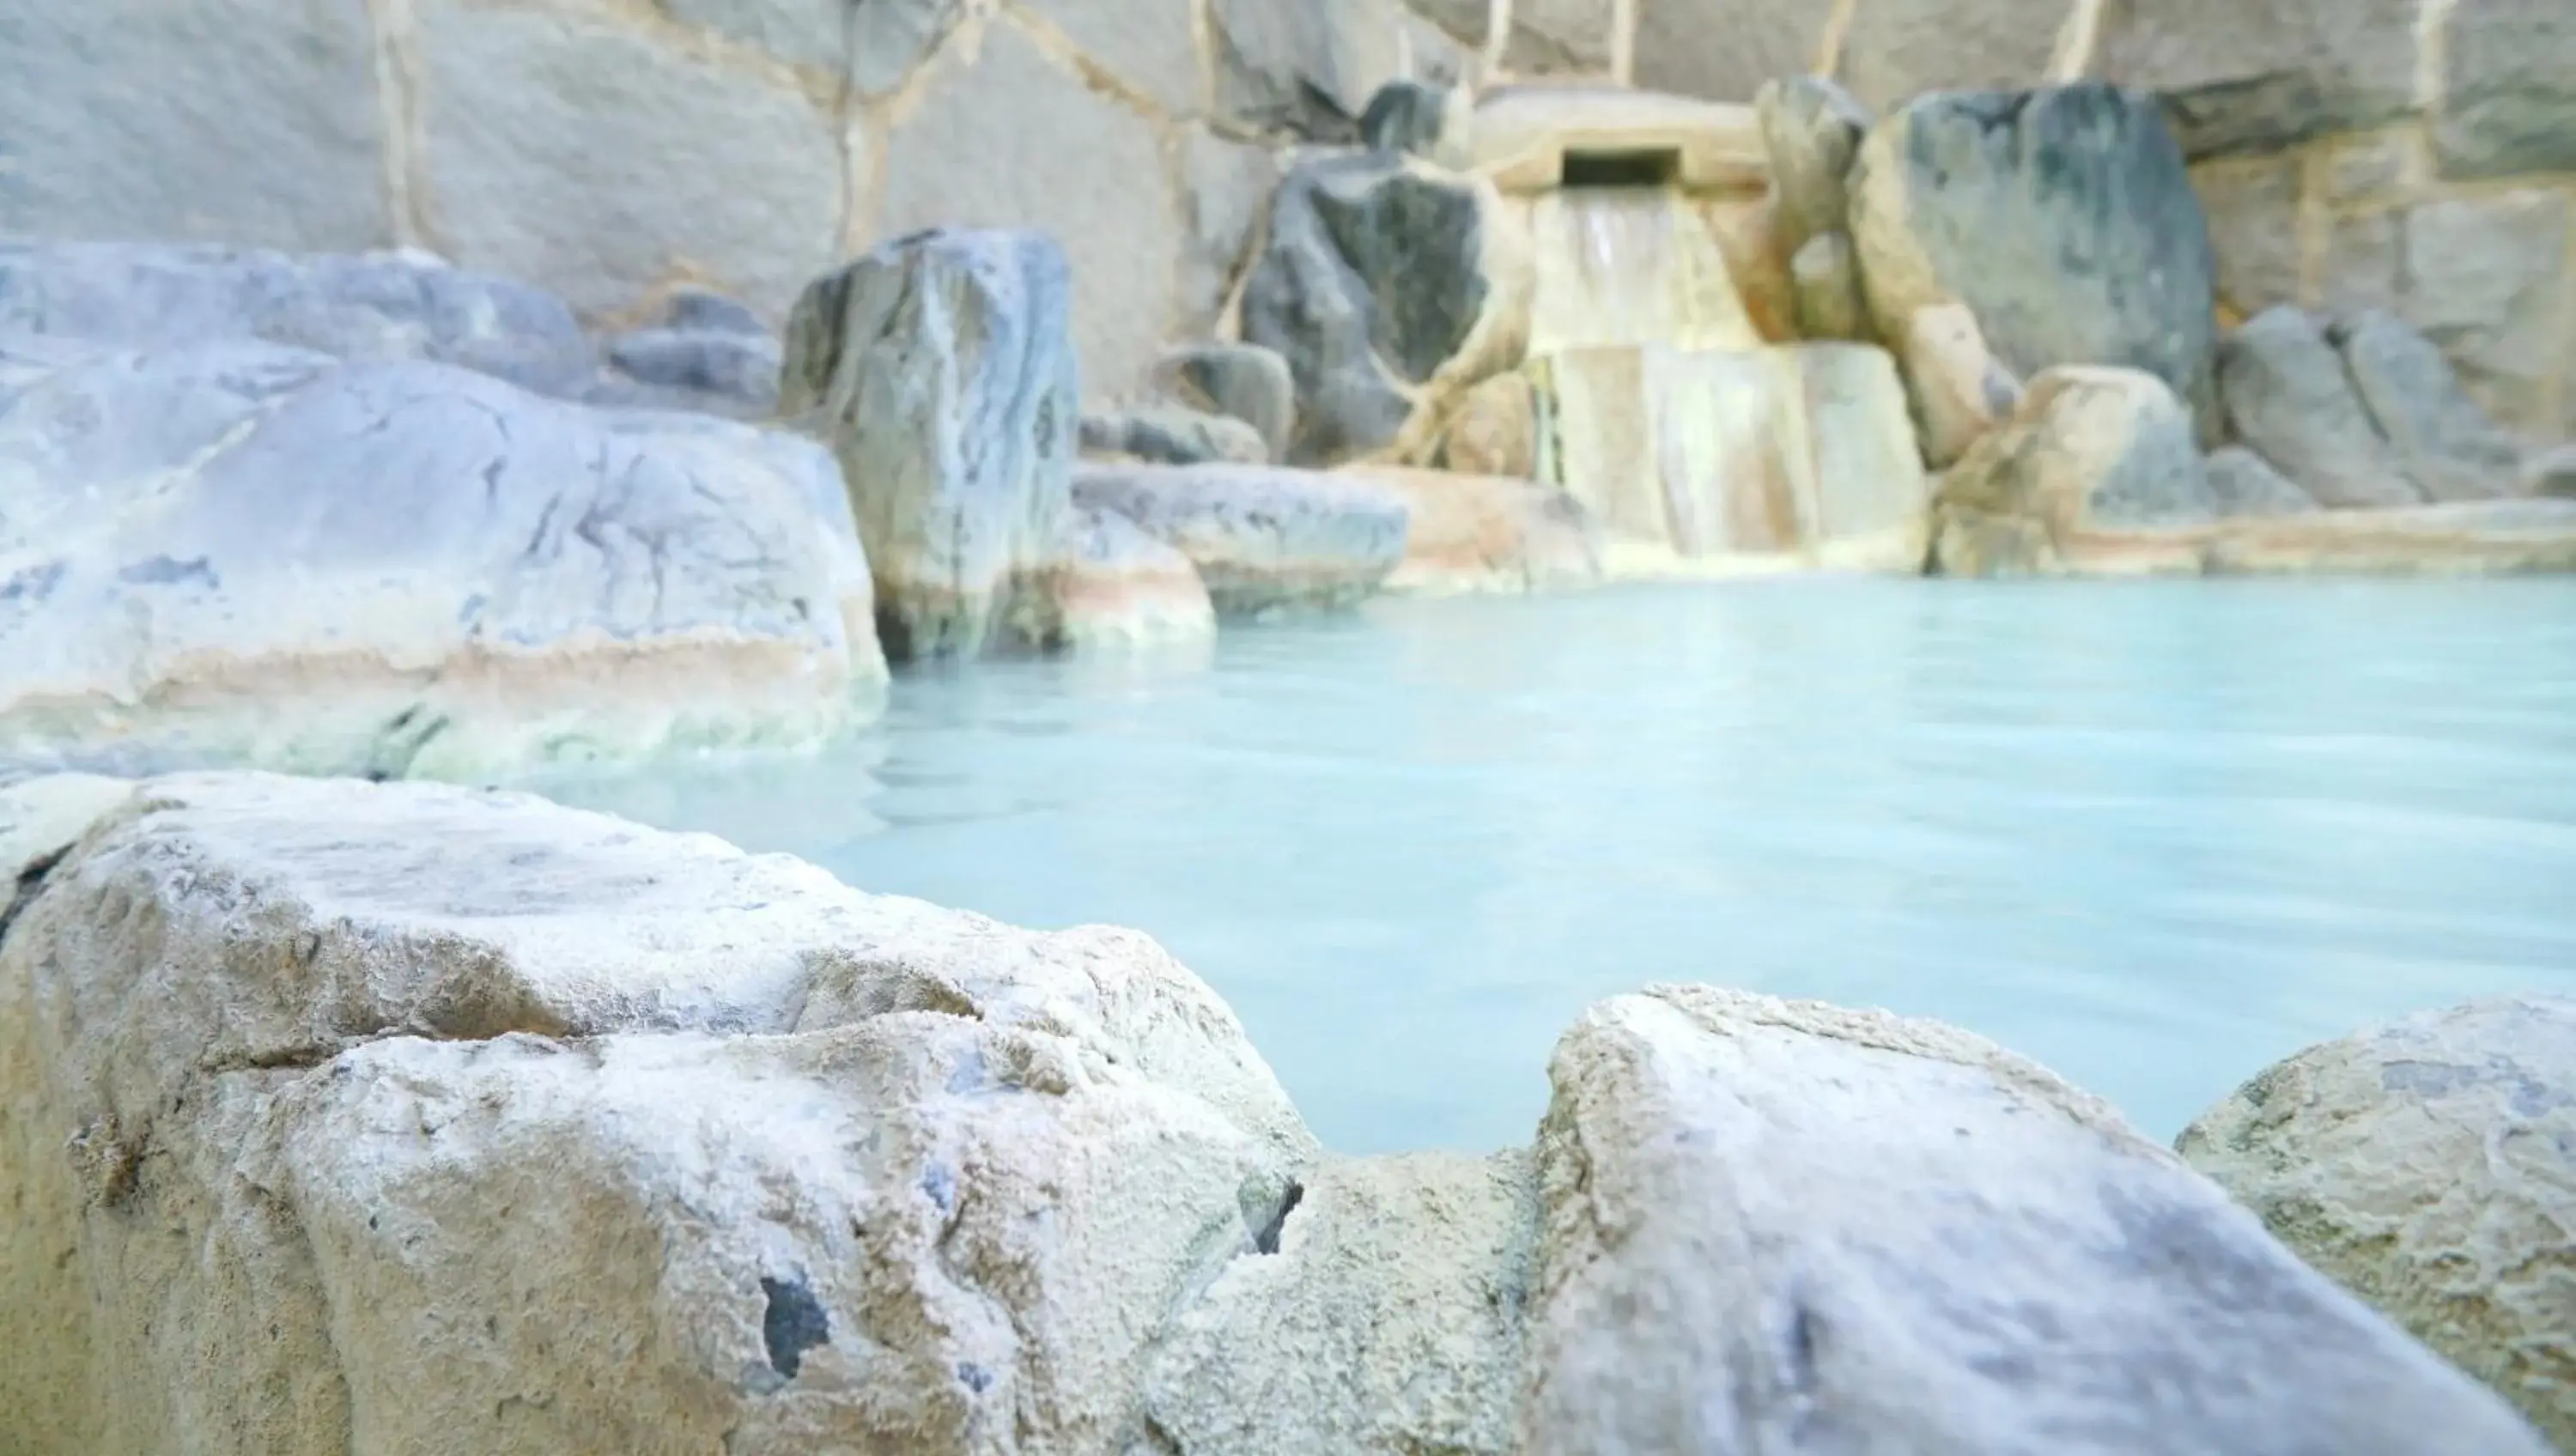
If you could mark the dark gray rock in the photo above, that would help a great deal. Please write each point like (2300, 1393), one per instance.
(2551, 473)
(1241, 381)
(2443, 439)
(2509, 89)
(940, 367)
(2289, 398)
(1372, 274)
(1811, 128)
(1175, 437)
(2242, 483)
(1262, 537)
(723, 373)
(2062, 217)
(699, 311)
(1406, 116)
(352, 306)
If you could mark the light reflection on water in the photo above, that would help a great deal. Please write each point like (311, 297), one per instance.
(2155, 835)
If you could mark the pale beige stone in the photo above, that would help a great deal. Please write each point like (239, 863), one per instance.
(1872, 502)
(250, 122)
(1810, 129)
(2253, 207)
(2360, 267)
(2430, 1167)
(1830, 305)
(2370, 166)
(1958, 390)
(571, 150)
(1524, 136)
(1488, 533)
(2486, 278)
(1494, 429)
(1898, 49)
(1013, 141)
(1117, 590)
(1723, 50)
(2241, 77)
(2089, 450)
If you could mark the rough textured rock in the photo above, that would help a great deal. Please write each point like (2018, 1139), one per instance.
(1120, 590)
(2449, 539)
(408, 1118)
(2253, 208)
(1146, 44)
(2288, 396)
(1386, 1317)
(251, 122)
(237, 553)
(2089, 450)
(1377, 275)
(2508, 84)
(563, 147)
(2242, 483)
(940, 370)
(2482, 277)
(1262, 537)
(2062, 218)
(1956, 389)
(726, 373)
(1769, 1225)
(1830, 305)
(1170, 436)
(1494, 430)
(1305, 71)
(1897, 50)
(1005, 137)
(1811, 128)
(1761, 40)
(2256, 78)
(2429, 1166)
(1424, 120)
(362, 306)
(2446, 443)
(1241, 381)
(1489, 533)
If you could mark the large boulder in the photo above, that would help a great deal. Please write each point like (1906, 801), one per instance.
(240, 553)
(350, 1117)
(2062, 218)
(2088, 451)
(2446, 443)
(940, 369)
(357, 306)
(1120, 590)
(1262, 537)
(2289, 397)
(2429, 1166)
(1382, 281)
(1771, 1225)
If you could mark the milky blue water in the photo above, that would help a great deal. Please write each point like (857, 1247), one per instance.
(2154, 835)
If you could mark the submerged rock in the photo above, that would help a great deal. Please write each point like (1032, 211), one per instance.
(1240, 381)
(1774, 1225)
(1378, 278)
(1174, 437)
(410, 1118)
(2089, 450)
(1118, 589)
(2063, 218)
(238, 553)
(1262, 537)
(2429, 1166)
(2289, 397)
(365, 306)
(940, 369)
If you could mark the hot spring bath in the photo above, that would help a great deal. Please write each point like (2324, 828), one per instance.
(2154, 835)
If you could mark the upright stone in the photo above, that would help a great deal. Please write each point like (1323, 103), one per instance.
(2089, 450)
(1830, 305)
(1811, 128)
(2288, 396)
(2429, 1166)
(1243, 381)
(1957, 389)
(940, 369)
(2447, 443)
(1771, 1226)
(2063, 218)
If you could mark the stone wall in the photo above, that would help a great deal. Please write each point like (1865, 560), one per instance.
(2413, 153)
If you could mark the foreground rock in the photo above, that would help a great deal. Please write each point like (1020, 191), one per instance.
(2063, 218)
(2430, 1167)
(1770, 1225)
(2088, 451)
(1262, 537)
(1118, 589)
(1383, 281)
(410, 1118)
(236, 553)
(370, 306)
(941, 371)
(2289, 397)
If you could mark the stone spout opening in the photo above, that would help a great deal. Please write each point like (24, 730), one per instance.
(1630, 167)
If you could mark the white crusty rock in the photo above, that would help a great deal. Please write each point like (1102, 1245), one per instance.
(1774, 1226)
(404, 1117)
(236, 553)
(2429, 1166)
(1262, 537)
(941, 369)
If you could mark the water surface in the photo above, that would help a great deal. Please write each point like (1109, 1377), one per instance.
(2155, 835)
